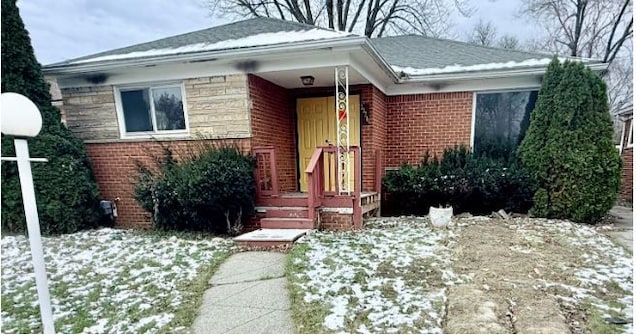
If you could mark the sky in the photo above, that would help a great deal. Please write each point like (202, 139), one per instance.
(65, 29)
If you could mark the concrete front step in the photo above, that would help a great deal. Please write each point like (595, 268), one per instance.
(286, 223)
(270, 237)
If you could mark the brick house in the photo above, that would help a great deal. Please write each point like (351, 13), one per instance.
(626, 150)
(273, 87)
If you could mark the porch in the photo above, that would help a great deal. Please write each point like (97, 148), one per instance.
(322, 206)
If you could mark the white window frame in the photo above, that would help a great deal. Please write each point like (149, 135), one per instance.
(153, 133)
(474, 104)
(630, 136)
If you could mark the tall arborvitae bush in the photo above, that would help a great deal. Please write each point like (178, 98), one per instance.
(569, 149)
(66, 191)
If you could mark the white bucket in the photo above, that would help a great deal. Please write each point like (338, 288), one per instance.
(440, 217)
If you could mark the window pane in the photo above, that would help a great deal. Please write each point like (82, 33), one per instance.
(168, 105)
(501, 121)
(135, 105)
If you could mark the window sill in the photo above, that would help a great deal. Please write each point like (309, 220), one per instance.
(158, 135)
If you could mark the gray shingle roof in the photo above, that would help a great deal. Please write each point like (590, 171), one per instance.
(418, 52)
(422, 52)
(225, 32)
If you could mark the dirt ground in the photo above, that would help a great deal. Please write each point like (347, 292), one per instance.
(507, 264)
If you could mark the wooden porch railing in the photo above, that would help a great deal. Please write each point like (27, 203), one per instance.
(265, 172)
(325, 160)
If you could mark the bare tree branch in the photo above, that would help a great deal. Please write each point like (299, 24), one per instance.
(484, 33)
(367, 17)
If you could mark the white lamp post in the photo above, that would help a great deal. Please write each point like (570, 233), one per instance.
(20, 117)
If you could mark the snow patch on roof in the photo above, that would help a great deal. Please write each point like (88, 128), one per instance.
(477, 67)
(249, 41)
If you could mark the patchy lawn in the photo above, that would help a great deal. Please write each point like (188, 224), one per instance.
(516, 276)
(111, 281)
(388, 278)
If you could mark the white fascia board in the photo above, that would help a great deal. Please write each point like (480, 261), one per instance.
(344, 42)
(525, 82)
(491, 74)
(180, 71)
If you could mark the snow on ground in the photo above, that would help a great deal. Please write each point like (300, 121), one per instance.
(387, 278)
(391, 277)
(262, 39)
(605, 276)
(105, 281)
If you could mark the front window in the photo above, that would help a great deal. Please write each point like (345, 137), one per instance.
(153, 109)
(501, 120)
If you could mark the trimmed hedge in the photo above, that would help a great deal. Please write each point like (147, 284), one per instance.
(469, 182)
(213, 190)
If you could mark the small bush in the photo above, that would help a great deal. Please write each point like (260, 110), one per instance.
(213, 190)
(469, 182)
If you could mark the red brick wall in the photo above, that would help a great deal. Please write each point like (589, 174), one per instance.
(374, 135)
(626, 189)
(335, 221)
(273, 124)
(419, 122)
(114, 167)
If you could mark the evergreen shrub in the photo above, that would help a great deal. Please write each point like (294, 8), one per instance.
(469, 182)
(211, 190)
(66, 192)
(568, 148)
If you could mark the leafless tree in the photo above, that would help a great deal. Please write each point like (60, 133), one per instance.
(372, 18)
(484, 33)
(508, 42)
(584, 28)
(600, 29)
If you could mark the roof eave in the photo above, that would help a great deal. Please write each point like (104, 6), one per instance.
(89, 67)
(490, 74)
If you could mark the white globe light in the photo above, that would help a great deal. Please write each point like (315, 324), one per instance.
(19, 116)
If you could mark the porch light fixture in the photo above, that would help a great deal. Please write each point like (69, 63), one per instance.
(307, 80)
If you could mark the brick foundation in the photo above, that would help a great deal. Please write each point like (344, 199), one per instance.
(335, 221)
(115, 171)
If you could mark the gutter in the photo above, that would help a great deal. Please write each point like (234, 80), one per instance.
(490, 74)
(88, 67)
(375, 54)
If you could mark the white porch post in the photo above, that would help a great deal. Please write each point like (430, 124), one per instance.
(342, 128)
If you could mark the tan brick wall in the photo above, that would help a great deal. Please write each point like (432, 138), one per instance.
(115, 171)
(90, 112)
(420, 122)
(217, 107)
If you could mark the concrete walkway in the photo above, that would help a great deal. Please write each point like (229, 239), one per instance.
(624, 226)
(248, 296)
